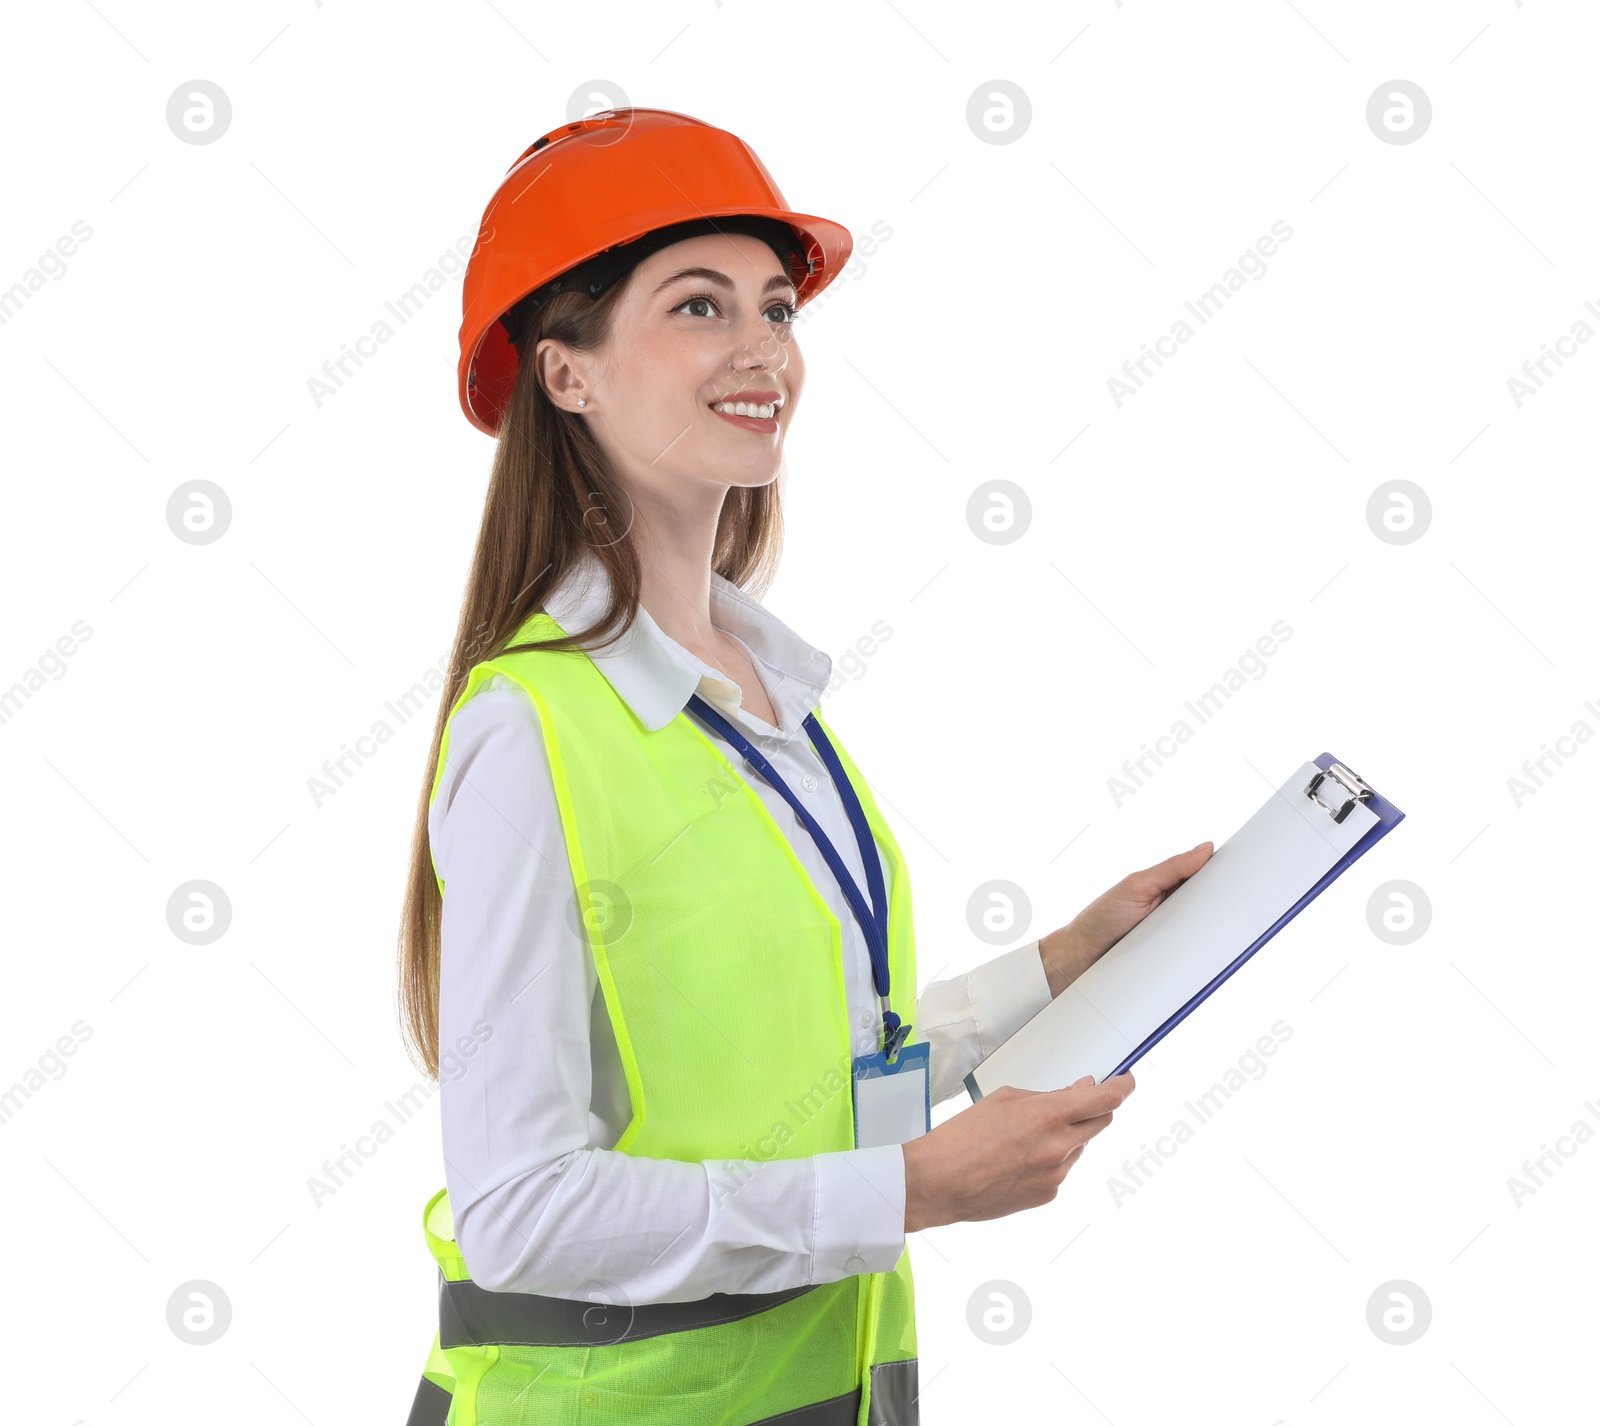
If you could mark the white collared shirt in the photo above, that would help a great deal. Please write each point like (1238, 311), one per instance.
(542, 1202)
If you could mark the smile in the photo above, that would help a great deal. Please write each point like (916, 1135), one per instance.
(751, 415)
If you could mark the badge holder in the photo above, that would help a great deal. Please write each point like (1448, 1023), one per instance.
(892, 1103)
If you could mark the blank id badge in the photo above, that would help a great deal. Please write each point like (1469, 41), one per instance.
(891, 1100)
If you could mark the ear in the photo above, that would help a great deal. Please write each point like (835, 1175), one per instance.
(558, 369)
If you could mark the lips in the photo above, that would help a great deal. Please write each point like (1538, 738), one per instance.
(761, 425)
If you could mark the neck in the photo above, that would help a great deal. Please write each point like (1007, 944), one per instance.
(675, 541)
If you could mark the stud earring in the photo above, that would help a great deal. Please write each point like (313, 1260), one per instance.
(582, 402)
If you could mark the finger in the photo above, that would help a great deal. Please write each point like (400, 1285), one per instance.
(1086, 1129)
(1125, 1079)
(1164, 876)
(1071, 1156)
(1079, 1104)
(1108, 1095)
(1184, 864)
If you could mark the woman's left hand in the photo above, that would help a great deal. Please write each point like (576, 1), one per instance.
(1072, 949)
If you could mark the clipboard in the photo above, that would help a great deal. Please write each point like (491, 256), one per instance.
(1301, 840)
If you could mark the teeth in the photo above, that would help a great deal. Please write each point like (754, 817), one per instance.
(765, 411)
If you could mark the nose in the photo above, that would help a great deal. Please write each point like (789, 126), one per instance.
(758, 345)
(768, 355)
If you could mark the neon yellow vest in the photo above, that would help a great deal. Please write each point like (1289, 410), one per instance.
(723, 974)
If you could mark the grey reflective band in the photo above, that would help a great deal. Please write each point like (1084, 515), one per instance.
(431, 1405)
(472, 1316)
(894, 1394)
(835, 1411)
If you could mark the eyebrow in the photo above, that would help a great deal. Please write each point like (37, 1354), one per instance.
(721, 279)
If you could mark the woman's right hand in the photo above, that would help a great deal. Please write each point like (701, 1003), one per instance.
(1008, 1152)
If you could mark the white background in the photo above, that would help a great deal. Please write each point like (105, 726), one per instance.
(974, 345)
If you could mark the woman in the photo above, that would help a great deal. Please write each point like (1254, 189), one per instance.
(638, 948)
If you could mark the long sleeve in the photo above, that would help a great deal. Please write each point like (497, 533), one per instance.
(966, 1018)
(532, 1092)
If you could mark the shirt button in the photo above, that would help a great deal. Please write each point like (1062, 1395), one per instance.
(855, 1263)
(809, 782)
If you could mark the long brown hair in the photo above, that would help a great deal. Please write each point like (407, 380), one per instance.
(552, 498)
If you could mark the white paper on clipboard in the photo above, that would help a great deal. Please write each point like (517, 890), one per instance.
(1250, 881)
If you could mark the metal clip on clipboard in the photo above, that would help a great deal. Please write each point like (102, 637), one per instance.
(1352, 784)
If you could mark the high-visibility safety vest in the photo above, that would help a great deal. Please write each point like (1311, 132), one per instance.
(722, 969)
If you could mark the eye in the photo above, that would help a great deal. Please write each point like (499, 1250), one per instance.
(787, 308)
(702, 299)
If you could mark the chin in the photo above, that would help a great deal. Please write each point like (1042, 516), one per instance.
(752, 469)
(753, 478)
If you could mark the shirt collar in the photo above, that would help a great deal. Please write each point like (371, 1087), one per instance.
(655, 675)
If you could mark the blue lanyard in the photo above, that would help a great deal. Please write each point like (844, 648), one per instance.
(874, 920)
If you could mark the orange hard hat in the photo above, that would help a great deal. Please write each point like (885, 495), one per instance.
(592, 186)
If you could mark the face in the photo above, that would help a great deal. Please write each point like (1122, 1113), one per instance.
(701, 322)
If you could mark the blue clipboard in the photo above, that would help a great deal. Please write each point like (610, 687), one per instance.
(1389, 817)
(1336, 789)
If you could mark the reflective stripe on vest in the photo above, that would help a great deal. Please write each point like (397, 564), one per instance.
(722, 971)
(894, 1394)
(431, 1406)
(472, 1316)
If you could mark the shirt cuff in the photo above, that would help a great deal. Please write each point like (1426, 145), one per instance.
(860, 1212)
(1006, 993)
